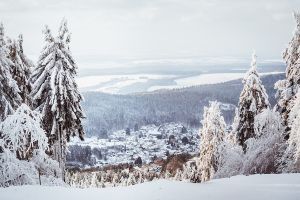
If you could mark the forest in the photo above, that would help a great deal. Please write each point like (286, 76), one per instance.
(41, 109)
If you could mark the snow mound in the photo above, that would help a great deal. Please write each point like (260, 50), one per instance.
(275, 187)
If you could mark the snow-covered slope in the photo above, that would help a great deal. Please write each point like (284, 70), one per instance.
(256, 187)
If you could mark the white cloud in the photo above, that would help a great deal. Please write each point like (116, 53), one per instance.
(155, 29)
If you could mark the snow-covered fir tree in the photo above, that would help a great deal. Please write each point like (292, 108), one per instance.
(9, 91)
(288, 88)
(212, 135)
(55, 92)
(291, 159)
(23, 145)
(253, 99)
(21, 68)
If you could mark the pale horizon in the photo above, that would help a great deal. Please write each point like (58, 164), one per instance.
(108, 34)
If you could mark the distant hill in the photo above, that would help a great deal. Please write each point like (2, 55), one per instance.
(108, 112)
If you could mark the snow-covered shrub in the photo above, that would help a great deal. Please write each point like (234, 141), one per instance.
(22, 132)
(264, 150)
(14, 171)
(178, 175)
(23, 149)
(190, 171)
(231, 160)
(45, 164)
(110, 177)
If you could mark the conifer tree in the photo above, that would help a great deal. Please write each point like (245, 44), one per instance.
(9, 91)
(212, 135)
(290, 161)
(253, 99)
(288, 88)
(21, 68)
(55, 93)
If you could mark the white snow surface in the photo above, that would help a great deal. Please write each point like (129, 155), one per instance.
(256, 187)
(204, 79)
(113, 84)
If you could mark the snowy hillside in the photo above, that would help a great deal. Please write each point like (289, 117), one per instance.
(258, 187)
(112, 112)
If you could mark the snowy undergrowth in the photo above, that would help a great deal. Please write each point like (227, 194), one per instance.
(275, 187)
(23, 157)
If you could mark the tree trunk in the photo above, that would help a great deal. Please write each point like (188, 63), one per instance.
(62, 152)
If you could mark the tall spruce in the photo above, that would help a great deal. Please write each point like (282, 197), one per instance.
(288, 88)
(290, 161)
(9, 91)
(253, 99)
(21, 68)
(55, 93)
(212, 135)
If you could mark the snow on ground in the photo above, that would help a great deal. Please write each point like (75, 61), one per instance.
(204, 79)
(256, 187)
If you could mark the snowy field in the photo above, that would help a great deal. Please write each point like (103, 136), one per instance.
(204, 79)
(116, 84)
(256, 187)
(200, 80)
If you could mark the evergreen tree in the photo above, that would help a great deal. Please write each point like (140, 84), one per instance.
(55, 92)
(21, 68)
(9, 91)
(253, 99)
(288, 88)
(212, 135)
(290, 162)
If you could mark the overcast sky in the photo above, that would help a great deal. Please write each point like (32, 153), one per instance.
(107, 30)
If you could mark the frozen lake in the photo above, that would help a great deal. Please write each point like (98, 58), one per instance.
(132, 83)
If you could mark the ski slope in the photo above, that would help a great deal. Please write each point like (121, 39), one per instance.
(256, 187)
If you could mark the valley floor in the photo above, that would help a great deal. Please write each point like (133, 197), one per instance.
(275, 187)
